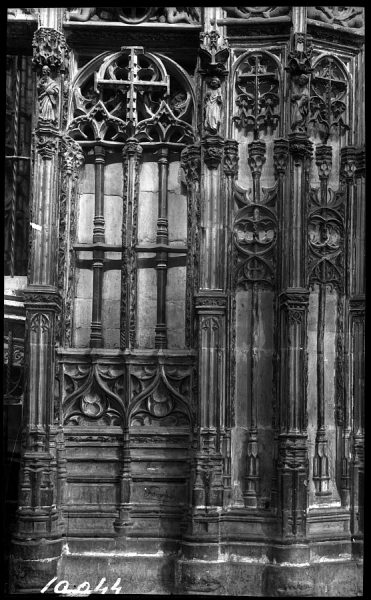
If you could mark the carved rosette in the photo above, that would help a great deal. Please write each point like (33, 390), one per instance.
(213, 151)
(49, 48)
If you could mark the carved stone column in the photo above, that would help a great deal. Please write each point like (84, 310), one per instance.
(191, 164)
(37, 542)
(230, 174)
(353, 170)
(293, 302)
(210, 306)
(131, 155)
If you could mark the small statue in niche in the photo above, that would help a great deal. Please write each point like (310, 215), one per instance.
(48, 91)
(300, 100)
(213, 103)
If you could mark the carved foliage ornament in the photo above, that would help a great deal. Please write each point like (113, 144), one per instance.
(130, 94)
(257, 87)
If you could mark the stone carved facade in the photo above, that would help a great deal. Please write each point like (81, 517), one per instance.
(193, 358)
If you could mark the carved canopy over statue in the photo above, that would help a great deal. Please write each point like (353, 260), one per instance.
(136, 15)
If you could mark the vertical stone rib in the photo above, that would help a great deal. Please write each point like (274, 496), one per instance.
(321, 475)
(294, 298)
(96, 336)
(256, 160)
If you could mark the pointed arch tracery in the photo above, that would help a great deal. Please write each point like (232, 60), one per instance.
(117, 96)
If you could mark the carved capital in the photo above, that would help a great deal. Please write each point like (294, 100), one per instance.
(49, 48)
(213, 151)
(257, 157)
(300, 146)
(231, 158)
(280, 156)
(324, 161)
(191, 163)
(357, 306)
(45, 299)
(47, 142)
(348, 163)
(203, 302)
(295, 302)
(132, 148)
